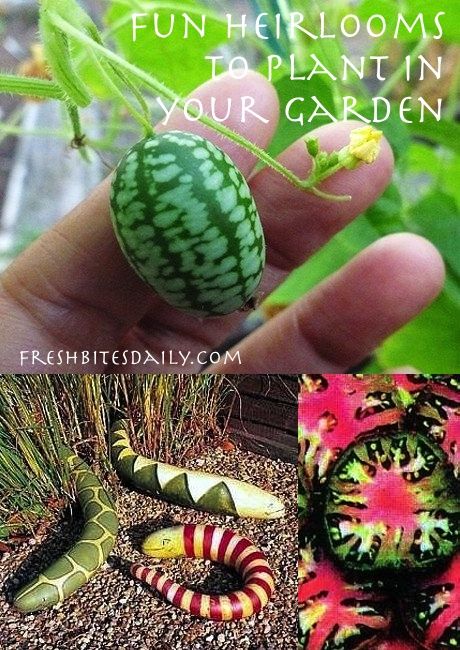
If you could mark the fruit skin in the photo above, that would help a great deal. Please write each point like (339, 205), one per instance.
(189, 488)
(333, 613)
(397, 644)
(392, 503)
(432, 609)
(185, 219)
(437, 413)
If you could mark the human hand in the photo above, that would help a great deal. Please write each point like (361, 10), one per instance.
(74, 290)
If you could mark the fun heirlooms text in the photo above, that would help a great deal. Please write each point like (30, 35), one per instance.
(305, 68)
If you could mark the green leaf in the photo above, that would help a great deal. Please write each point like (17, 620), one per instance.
(58, 56)
(430, 167)
(411, 8)
(449, 175)
(288, 131)
(445, 132)
(430, 342)
(450, 22)
(177, 62)
(90, 75)
(385, 214)
(386, 8)
(436, 217)
(423, 158)
(282, 45)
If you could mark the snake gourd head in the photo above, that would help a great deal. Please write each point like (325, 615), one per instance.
(35, 596)
(165, 543)
(255, 502)
(274, 508)
(200, 490)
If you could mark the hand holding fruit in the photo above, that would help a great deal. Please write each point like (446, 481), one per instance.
(74, 288)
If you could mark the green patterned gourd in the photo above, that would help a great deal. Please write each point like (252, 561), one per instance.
(76, 567)
(189, 488)
(185, 219)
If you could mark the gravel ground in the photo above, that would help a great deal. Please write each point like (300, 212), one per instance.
(114, 612)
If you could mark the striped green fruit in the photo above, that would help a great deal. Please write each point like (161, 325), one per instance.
(76, 567)
(186, 220)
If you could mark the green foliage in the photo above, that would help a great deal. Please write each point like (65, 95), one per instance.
(390, 8)
(429, 342)
(329, 259)
(424, 197)
(288, 131)
(445, 133)
(436, 217)
(57, 48)
(177, 62)
(175, 415)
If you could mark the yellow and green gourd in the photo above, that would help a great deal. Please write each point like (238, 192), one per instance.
(76, 567)
(185, 219)
(189, 488)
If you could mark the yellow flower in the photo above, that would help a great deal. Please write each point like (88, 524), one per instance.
(365, 144)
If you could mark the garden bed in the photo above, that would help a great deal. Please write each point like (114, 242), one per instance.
(116, 612)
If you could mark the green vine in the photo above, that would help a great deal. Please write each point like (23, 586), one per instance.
(79, 138)
(105, 72)
(30, 87)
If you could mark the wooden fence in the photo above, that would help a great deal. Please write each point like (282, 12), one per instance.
(263, 415)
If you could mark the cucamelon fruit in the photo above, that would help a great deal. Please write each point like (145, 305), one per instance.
(185, 219)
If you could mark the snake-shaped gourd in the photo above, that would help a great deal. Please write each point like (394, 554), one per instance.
(189, 488)
(76, 567)
(218, 545)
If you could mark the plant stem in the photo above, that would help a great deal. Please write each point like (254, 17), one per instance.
(166, 92)
(398, 74)
(29, 87)
(79, 137)
(108, 78)
(137, 94)
(12, 123)
(309, 184)
(11, 129)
